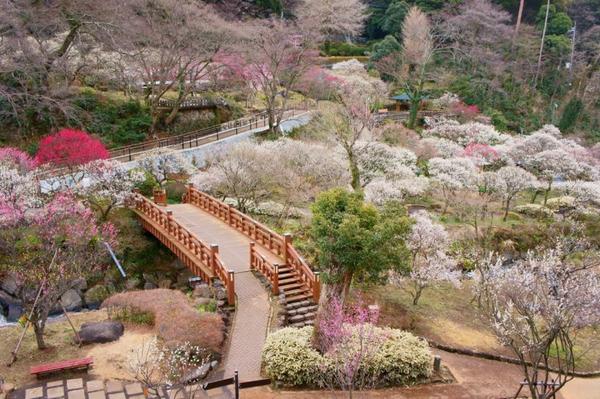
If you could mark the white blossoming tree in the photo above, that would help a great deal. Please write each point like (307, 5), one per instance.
(553, 164)
(536, 307)
(164, 164)
(428, 243)
(107, 185)
(511, 181)
(452, 175)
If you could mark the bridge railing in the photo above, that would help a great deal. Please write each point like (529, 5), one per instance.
(280, 245)
(198, 256)
(269, 270)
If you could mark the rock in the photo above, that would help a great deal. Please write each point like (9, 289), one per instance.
(297, 318)
(100, 332)
(196, 375)
(220, 294)
(132, 283)
(166, 283)
(9, 284)
(201, 301)
(71, 301)
(95, 295)
(178, 265)
(150, 286)
(220, 304)
(80, 284)
(15, 311)
(202, 291)
(214, 364)
(149, 278)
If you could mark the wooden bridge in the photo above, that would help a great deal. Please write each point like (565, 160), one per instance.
(218, 242)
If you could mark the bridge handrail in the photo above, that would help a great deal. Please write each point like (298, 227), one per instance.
(280, 245)
(269, 270)
(203, 254)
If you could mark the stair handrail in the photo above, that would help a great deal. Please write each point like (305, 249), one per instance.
(205, 255)
(280, 245)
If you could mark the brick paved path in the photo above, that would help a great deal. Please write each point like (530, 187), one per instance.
(80, 388)
(251, 317)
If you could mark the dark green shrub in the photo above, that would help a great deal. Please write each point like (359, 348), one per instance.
(570, 114)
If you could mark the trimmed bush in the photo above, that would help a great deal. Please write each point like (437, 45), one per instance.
(400, 359)
(176, 321)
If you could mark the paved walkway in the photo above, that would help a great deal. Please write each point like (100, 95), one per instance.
(251, 317)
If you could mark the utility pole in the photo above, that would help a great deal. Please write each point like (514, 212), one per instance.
(539, 64)
(572, 63)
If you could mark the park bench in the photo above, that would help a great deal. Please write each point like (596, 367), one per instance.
(64, 365)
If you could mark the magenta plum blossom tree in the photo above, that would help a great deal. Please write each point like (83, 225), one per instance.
(482, 155)
(346, 334)
(536, 307)
(428, 243)
(511, 181)
(48, 249)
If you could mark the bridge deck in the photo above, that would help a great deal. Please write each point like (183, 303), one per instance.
(251, 318)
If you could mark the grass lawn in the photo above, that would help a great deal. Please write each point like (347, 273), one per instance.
(449, 316)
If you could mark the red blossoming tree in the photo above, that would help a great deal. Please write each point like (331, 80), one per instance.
(70, 148)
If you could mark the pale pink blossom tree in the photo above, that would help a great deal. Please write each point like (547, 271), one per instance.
(48, 249)
(428, 243)
(452, 175)
(511, 181)
(536, 307)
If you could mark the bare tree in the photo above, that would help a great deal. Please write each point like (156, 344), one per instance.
(173, 43)
(44, 48)
(276, 53)
(519, 18)
(408, 68)
(539, 62)
(333, 17)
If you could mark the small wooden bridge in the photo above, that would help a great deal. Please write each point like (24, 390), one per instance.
(219, 243)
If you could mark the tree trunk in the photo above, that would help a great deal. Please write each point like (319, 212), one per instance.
(346, 285)
(539, 64)
(38, 328)
(414, 109)
(519, 17)
(506, 210)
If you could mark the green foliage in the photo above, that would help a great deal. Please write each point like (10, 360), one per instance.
(570, 115)
(392, 20)
(96, 294)
(147, 186)
(131, 315)
(498, 119)
(343, 49)
(399, 359)
(273, 5)
(385, 47)
(118, 123)
(353, 238)
(210, 307)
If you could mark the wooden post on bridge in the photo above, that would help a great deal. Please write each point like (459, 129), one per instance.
(287, 241)
(169, 220)
(214, 250)
(252, 244)
(276, 280)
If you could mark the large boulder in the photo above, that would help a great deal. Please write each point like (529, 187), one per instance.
(100, 332)
(9, 284)
(71, 300)
(11, 307)
(95, 295)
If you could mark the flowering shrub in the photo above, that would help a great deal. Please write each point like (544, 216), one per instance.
(534, 210)
(175, 319)
(70, 147)
(399, 359)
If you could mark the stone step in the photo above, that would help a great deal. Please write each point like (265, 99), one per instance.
(299, 324)
(295, 291)
(297, 298)
(296, 318)
(290, 286)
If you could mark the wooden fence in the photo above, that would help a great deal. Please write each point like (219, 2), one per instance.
(203, 260)
(280, 245)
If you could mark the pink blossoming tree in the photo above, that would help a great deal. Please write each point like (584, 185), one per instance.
(48, 248)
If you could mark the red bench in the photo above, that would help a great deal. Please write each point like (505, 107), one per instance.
(71, 364)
